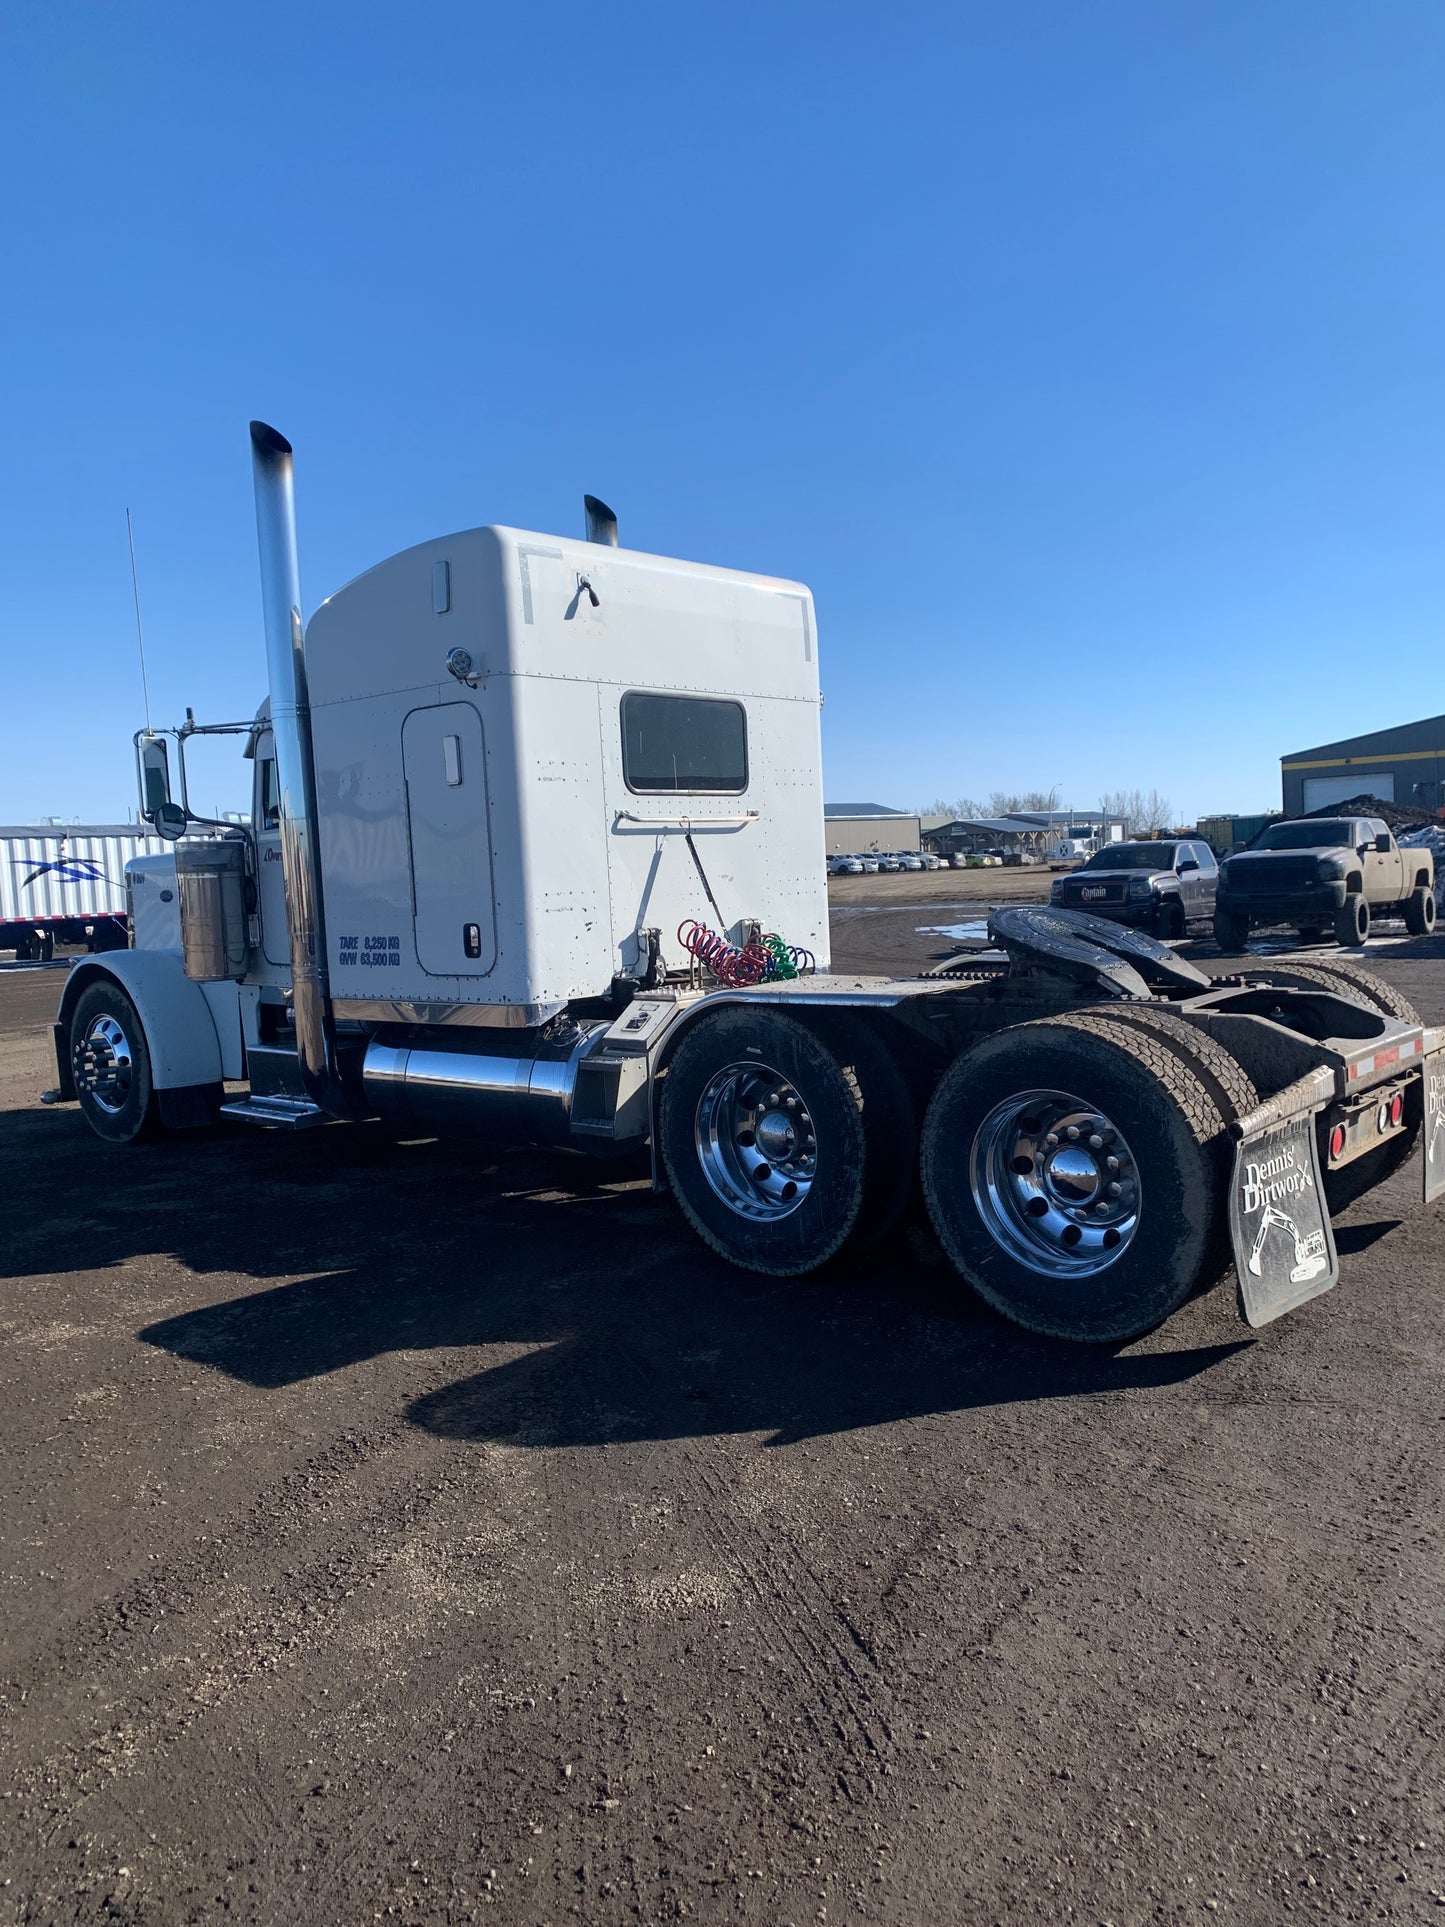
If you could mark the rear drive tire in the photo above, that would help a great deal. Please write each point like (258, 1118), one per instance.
(765, 1139)
(1231, 932)
(1347, 979)
(1420, 912)
(1352, 922)
(1033, 1225)
(1340, 975)
(890, 1130)
(111, 1064)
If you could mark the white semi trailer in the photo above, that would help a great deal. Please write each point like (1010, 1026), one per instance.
(66, 884)
(536, 853)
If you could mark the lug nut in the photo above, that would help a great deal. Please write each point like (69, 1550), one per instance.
(1074, 1134)
(1096, 1143)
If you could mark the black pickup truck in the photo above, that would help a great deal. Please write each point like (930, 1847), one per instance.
(1322, 873)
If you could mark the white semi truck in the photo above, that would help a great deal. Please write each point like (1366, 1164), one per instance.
(536, 854)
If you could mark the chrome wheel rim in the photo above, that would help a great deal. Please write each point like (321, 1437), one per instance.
(1055, 1184)
(103, 1066)
(756, 1142)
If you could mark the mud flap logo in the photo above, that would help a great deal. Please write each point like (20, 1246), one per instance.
(1284, 1249)
(1434, 1126)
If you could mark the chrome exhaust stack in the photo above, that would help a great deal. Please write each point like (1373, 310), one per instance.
(295, 769)
(601, 522)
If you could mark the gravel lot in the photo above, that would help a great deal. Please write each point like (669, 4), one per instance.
(407, 1533)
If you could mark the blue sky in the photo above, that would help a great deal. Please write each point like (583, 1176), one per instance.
(1085, 360)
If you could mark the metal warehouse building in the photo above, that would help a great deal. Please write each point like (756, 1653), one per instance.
(1404, 765)
(868, 826)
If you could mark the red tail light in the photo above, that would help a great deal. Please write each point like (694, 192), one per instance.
(1337, 1140)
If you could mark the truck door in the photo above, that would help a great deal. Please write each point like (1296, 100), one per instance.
(444, 763)
(1392, 864)
(1382, 867)
(1207, 882)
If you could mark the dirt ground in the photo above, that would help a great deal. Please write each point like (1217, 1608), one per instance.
(406, 1533)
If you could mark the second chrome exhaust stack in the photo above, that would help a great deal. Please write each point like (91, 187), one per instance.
(295, 769)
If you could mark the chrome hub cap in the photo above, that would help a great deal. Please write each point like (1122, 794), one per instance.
(1055, 1183)
(102, 1065)
(755, 1141)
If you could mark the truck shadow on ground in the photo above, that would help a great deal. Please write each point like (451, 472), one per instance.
(618, 1323)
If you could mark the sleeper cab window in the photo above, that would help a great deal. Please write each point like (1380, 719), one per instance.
(270, 795)
(673, 743)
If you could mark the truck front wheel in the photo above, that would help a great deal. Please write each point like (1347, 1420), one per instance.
(1231, 932)
(778, 1148)
(1352, 921)
(1075, 1172)
(1171, 924)
(111, 1065)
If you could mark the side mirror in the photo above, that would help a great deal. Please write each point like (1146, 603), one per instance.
(1188, 863)
(154, 769)
(1382, 843)
(169, 820)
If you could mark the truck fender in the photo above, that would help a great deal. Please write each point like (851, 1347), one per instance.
(180, 1030)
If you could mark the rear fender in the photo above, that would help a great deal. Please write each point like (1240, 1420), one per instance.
(180, 1029)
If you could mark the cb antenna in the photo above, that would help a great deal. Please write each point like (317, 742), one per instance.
(139, 632)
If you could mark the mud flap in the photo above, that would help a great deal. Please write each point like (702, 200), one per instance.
(1284, 1246)
(1434, 1131)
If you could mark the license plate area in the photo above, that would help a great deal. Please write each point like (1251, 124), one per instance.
(1359, 1124)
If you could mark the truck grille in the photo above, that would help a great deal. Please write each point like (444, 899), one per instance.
(1263, 875)
(1082, 896)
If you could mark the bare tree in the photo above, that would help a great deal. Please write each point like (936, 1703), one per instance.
(1143, 815)
(1155, 812)
(963, 809)
(1034, 801)
(1025, 802)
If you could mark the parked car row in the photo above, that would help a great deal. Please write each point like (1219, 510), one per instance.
(870, 862)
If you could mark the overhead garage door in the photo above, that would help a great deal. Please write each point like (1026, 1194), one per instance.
(1321, 791)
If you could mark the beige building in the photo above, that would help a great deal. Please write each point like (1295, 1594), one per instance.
(869, 826)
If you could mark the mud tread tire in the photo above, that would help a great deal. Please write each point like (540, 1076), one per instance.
(1351, 915)
(1229, 1083)
(1420, 912)
(1231, 932)
(1337, 975)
